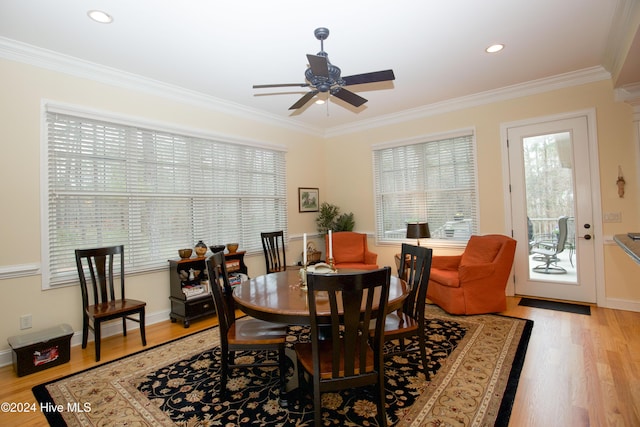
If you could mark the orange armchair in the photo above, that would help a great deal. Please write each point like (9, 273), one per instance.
(350, 251)
(474, 282)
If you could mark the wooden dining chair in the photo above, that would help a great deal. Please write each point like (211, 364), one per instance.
(275, 255)
(349, 303)
(415, 265)
(244, 334)
(101, 299)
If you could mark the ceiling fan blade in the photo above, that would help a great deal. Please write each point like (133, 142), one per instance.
(376, 76)
(350, 97)
(302, 101)
(281, 85)
(319, 65)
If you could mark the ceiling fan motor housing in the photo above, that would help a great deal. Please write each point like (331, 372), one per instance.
(322, 83)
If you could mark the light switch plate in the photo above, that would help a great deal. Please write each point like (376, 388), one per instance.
(25, 321)
(612, 217)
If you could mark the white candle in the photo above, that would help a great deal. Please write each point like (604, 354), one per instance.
(330, 245)
(304, 251)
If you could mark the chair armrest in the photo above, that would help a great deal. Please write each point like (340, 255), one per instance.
(370, 257)
(446, 262)
(477, 271)
(547, 241)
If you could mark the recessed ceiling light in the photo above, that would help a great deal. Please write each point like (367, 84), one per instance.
(100, 16)
(494, 48)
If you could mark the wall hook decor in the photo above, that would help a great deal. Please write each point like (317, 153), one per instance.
(620, 183)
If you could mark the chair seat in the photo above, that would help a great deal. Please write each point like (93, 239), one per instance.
(249, 330)
(448, 278)
(543, 251)
(305, 357)
(114, 307)
(399, 324)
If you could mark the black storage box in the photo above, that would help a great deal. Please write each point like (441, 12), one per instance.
(41, 350)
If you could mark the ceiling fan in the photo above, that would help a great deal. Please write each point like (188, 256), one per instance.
(322, 76)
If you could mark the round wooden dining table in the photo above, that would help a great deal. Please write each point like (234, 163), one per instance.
(278, 297)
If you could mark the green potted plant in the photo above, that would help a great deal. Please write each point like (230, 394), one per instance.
(345, 222)
(329, 218)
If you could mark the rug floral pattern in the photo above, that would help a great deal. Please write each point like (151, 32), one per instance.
(188, 391)
(177, 383)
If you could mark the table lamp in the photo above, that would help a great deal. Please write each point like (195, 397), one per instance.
(418, 230)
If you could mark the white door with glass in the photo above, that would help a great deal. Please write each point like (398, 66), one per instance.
(552, 209)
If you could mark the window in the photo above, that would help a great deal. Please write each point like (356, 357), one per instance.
(153, 191)
(432, 180)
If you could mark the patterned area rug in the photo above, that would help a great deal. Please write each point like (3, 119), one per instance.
(474, 365)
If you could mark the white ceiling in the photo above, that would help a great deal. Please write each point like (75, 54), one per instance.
(436, 48)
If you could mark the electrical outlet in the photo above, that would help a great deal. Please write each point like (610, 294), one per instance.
(612, 217)
(25, 321)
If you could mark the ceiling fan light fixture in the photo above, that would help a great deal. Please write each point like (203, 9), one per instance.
(320, 101)
(494, 48)
(100, 16)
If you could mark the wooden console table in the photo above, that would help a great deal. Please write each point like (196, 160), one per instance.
(186, 306)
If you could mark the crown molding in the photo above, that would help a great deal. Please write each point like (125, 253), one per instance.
(43, 58)
(624, 22)
(54, 61)
(629, 94)
(532, 87)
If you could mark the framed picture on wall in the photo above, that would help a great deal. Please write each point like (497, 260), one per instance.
(308, 199)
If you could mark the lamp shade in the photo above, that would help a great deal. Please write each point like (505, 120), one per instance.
(418, 230)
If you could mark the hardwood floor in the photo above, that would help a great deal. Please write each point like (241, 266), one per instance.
(579, 370)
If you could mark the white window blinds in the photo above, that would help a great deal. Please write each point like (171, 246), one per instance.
(432, 181)
(153, 191)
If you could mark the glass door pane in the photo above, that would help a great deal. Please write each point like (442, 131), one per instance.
(550, 205)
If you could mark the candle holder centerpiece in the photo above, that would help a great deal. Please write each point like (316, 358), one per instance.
(303, 278)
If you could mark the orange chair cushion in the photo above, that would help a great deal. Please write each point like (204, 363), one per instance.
(349, 251)
(449, 278)
(480, 250)
(356, 266)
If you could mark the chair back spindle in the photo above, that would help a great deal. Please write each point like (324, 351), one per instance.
(222, 292)
(274, 251)
(415, 270)
(99, 263)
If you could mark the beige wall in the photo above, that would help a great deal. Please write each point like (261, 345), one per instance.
(341, 180)
(617, 146)
(23, 89)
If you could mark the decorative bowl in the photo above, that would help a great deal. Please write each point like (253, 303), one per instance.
(185, 253)
(216, 248)
(232, 247)
(200, 251)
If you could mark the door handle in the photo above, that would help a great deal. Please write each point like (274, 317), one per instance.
(587, 237)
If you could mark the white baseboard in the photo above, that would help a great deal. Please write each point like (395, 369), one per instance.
(621, 304)
(109, 329)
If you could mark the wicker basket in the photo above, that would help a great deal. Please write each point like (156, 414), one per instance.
(312, 254)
